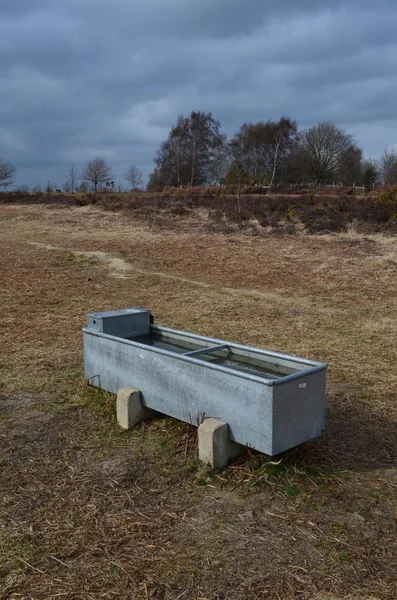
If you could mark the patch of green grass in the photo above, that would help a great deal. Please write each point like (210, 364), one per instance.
(343, 557)
(101, 400)
(18, 549)
(204, 475)
(339, 527)
(79, 260)
(290, 490)
(190, 467)
(274, 471)
(337, 474)
(291, 476)
(263, 468)
(322, 474)
(159, 447)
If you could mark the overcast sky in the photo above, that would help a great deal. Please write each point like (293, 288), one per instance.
(80, 78)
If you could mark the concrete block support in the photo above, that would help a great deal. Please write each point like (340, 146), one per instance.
(215, 448)
(130, 410)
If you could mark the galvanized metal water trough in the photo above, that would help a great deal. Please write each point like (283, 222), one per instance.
(271, 402)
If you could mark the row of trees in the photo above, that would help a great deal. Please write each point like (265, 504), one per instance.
(197, 153)
(97, 171)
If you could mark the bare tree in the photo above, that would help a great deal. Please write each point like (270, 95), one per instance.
(263, 147)
(370, 172)
(8, 173)
(220, 165)
(83, 187)
(71, 179)
(281, 137)
(236, 178)
(320, 151)
(185, 157)
(351, 169)
(156, 181)
(134, 177)
(237, 174)
(387, 166)
(97, 170)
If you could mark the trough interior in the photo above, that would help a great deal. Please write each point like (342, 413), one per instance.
(228, 357)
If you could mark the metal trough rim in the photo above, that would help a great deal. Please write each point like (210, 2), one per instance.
(315, 367)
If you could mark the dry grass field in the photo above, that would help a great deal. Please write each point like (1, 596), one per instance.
(88, 511)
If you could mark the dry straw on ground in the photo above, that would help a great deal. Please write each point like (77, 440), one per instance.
(88, 511)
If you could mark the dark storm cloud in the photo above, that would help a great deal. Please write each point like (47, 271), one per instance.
(86, 77)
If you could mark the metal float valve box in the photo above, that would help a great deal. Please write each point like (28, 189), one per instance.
(126, 323)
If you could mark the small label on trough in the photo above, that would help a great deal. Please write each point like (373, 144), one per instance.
(302, 385)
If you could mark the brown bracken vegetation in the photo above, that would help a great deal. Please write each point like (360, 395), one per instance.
(219, 210)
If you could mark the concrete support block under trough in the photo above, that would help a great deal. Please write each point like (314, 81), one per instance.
(130, 410)
(214, 447)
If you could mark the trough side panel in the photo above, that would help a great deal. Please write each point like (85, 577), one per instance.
(298, 411)
(182, 389)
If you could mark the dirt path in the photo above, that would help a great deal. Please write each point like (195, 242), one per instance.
(119, 268)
